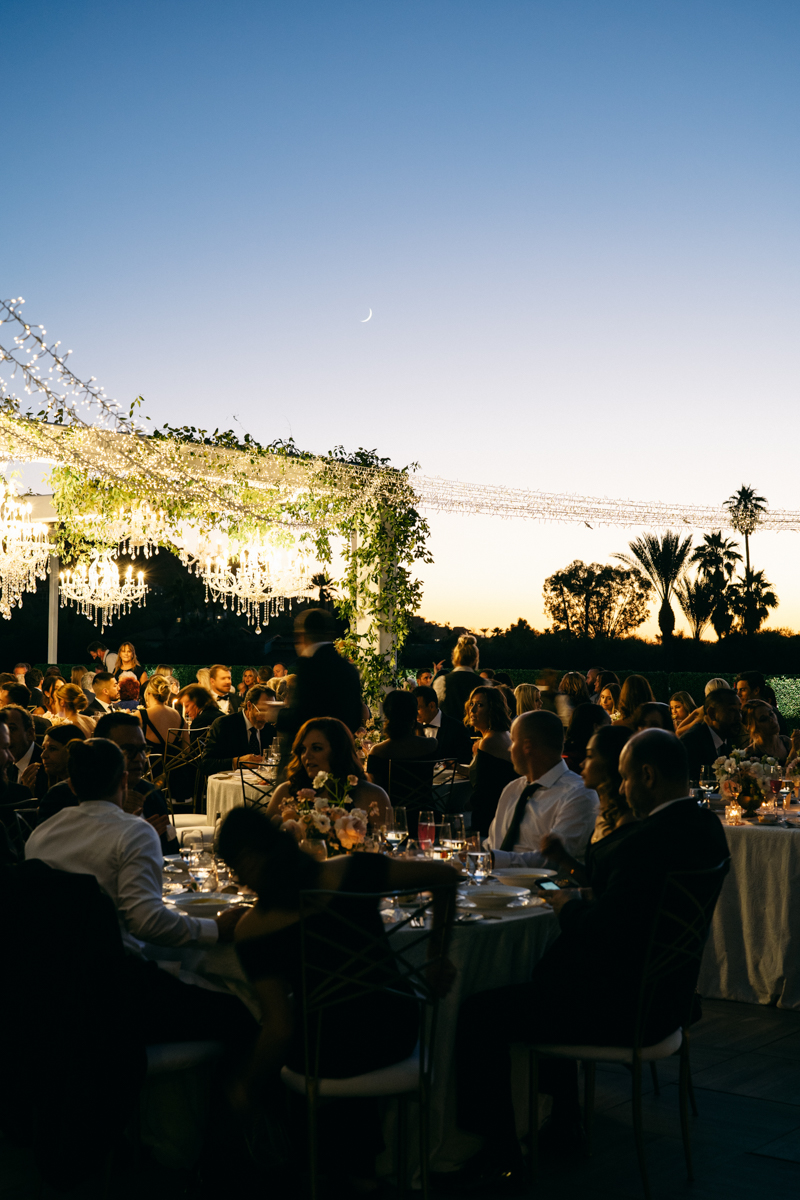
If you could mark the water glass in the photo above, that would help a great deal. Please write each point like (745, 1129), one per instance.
(396, 827)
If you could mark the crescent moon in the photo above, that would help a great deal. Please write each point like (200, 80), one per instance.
(369, 318)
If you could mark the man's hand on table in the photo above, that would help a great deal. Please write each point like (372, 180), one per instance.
(227, 922)
(558, 899)
(247, 760)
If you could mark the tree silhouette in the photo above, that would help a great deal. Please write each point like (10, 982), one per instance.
(596, 600)
(662, 559)
(716, 558)
(746, 509)
(698, 600)
(752, 599)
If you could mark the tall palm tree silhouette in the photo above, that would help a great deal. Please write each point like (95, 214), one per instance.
(662, 560)
(746, 509)
(716, 558)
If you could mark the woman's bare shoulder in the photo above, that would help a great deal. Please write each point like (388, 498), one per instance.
(497, 743)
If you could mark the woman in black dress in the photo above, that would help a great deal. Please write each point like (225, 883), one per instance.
(615, 819)
(491, 768)
(362, 1035)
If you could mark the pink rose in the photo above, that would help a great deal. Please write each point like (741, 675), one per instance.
(306, 794)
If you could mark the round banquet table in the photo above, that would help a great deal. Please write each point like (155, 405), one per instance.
(751, 955)
(488, 953)
(225, 790)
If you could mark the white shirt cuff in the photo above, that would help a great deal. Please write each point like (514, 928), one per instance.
(209, 931)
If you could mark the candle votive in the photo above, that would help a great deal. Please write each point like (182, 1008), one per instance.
(733, 813)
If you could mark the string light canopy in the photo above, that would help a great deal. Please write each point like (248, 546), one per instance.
(24, 549)
(98, 591)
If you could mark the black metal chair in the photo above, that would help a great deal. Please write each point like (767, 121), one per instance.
(670, 969)
(256, 793)
(409, 785)
(395, 963)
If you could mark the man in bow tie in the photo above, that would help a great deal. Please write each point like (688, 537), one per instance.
(548, 799)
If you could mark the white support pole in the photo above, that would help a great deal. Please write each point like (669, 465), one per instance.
(52, 611)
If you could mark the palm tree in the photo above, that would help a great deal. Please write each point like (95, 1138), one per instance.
(746, 508)
(698, 601)
(752, 599)
(661, 559)
(717, 558)
(325, 585)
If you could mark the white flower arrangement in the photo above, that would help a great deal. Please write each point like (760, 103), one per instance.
(322, 813)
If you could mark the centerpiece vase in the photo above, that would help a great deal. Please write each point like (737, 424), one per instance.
(751, 797)
(316, 847)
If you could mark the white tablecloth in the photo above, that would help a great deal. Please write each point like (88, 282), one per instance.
(225, 791)
(752, 952)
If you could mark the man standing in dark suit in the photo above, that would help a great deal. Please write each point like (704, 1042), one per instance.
(327, 685)
(452, 736)
(717, 734)
(243, 737)
(584, 990)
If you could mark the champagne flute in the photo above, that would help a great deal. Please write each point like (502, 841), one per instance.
(426, 830)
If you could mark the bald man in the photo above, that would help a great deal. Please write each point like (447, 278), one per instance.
(548, 800)
(584, 990)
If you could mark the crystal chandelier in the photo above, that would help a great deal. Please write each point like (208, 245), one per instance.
(261, 585)
(98, 591)
(134, 530)
(24, 549)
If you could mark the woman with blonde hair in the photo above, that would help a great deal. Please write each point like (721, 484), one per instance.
(635, 691)
(455, 688)
(70, 701)
(761, 725)
(158, 718)
(528, 698)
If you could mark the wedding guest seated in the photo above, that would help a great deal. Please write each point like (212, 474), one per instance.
(241, 738)
(402, 747)
(586, 719)
(681, 706)
(635, 690)
(600, 773)
(609, 700)
(572, 691)
(33, 679)
(584, 990)
(106, 694)
(50, 686)
(487, 675)
(547, 799)
(326, 745)
(12, 793)
(592, 676)
(453, 741)
(751, 685)
(760, 722)
(163, 726)
(248, 680)
(97, 837)
(129, 692)
(717, 734)
(54, 769)
(269, 948)
(219, 680)
(424, 677)
(25, 767)
(508, 695)
(491, 767)
(528, 698)
(143, 798)
(697, 716)
(455, 688)
(19, 694)
(200, 709)
(279, 670)
(71, 701)
(21, 670)
(652, 715)
(503, 677)
(264, 674)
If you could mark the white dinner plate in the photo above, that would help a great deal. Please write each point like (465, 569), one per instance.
(494, 895)
(205, 904)
(523, 876)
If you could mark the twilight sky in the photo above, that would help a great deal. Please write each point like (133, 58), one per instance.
(576, 222)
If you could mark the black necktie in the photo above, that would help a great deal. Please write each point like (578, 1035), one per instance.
(512, 834)
(254, 745)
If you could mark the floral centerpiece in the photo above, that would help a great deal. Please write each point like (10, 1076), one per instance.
(752, 774)
(323, 819)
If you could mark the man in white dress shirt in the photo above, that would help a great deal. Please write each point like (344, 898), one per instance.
(122, 851)
(548, 799)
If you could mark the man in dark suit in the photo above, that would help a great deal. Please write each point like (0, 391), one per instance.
(106, 694)
(452, 737)
(717, 734)
(222, 689)
(584, 989)
(242, 737)
(327, 685)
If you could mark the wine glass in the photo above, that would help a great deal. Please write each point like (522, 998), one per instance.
(426, 830)
(708, 781)
(396, 827)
